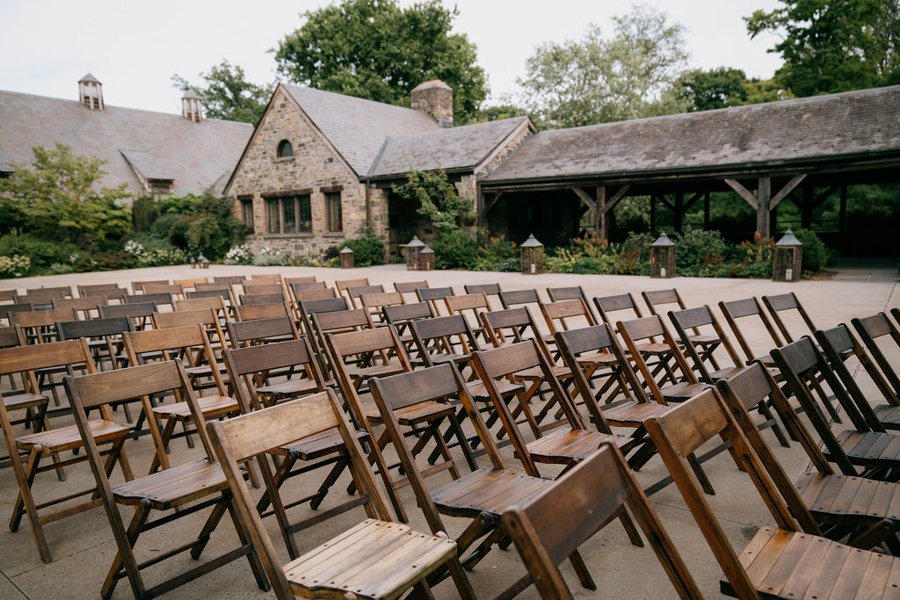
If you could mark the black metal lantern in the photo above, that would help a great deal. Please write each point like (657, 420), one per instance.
(426, 259)
(787, 258)
(346, 258)
(662, 257)
(532, 256)
(413, 248)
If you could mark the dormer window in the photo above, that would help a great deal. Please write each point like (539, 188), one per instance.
(285, 149)
(160, 187)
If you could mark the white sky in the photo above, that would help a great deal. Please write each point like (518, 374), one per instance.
(134, 46)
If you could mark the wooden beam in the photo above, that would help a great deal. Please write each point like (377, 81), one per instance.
(601, 222)
(742, 192)
(692, 200)
(763, 215)
(492, 202)
(825, 196)
(585, 197)
(787, 189)
(611, 203)
(664, 200)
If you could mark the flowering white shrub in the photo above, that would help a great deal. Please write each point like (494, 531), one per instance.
(239, 255)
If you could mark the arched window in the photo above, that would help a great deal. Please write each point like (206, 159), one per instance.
(284, 149)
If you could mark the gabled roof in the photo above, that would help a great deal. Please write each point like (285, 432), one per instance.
(356, 127)
(449, 149)
(164, 146)
(789, 131)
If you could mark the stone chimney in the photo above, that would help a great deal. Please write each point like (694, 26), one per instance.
(435, 98)
(90, 92)
(191, 108)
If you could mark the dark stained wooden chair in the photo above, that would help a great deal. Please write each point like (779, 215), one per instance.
(104, 338)
(700, 321)
(409, 287)
(781, 561)
(574, 292)
(878, 328)
(261, 331)
(435, 297)
(39, 326)
(56, 444)
(139, 313)
(175, 289)
(161, 300)
(266, 288)
(608, 307)
(267, 277)
(746, 310)
(401, 315)
(301, 279)
(779, 306)
(317, 294)
(470, 306)
(250, 369)
(344, 284)
(877, 453)
(566, 445)
(590, 495)
(263, 311)
(324, 323)
(184, 489)
(375, 559)
(490, 290)
(354, 293)
(562, 315)
(844, 508)
(85, 307)
(229, 279)
(112, 291)
(376, 302)
(6, 309)
(255, 299)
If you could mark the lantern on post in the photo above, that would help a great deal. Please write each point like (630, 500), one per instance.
(346, 258)
(532, 256)
(202, 261)
(413, 248)
(426, 259)
(662, 257)
(787, 258)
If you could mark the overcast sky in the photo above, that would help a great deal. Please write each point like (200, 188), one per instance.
(134, 47)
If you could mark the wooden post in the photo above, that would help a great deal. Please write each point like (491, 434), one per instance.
(601, 222)
(763, 195)
(842, 214)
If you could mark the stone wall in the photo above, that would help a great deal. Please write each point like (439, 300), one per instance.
(314, 169)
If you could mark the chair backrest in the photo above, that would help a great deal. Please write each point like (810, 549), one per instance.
(215, 303)
(111, 290)
(656, 298)
(138, 286)
(182, 318)
(240, 438)
(680, 432)
(587, 340)
(39, 326)
(649, 328)
(230, 279)
(48, 293)
(781, 303)
(355, 293)
(433, 296)
(212, 287)
(802, 366)
(748, 308)
(138, 313)
(85, 307)
(273, 277)
(256, 299)
(343, 284)
(161, 299)
(301, 279)
(488, 289)
(296, 287)
(575, 292)
(409, 287)
(7, 296)
(877, 328)
(501, 363)
(511, 326)
(517, 297)
(403, 313)
(553, 524)
(224, 293)
(607, 305)
(175, 289)
(440, 335)
(260, 331)
(190, 282)
(9, 337)
(688, 322)
(262, 311)
(341, 321)
(252, 365)
(109, 330)
(27, 360)
(6, 309)
(560, 314)
(251, 288)
(377, 301)
(316, 294)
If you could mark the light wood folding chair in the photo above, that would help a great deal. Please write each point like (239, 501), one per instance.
(51, 443)
(551, 525)
(300, 279)
(409, 287)
(184, 489)
(750, 309)
(268, 277)
(175, 289)
(344, 284)
(355, 293)
(189, 284)
(137, 287)
(471, 306)
(375, 559)
(86, 307)
(112, 291)
(782, 561)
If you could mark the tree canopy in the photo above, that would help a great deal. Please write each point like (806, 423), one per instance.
(377, 50)
(596, 80)
(715, 88)
(833, 45)
(227, 93)
(58, 199)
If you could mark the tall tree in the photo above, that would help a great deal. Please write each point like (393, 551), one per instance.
(227, 93)
(595, 80)
(377, 50)
(833, 45)
(715, 88)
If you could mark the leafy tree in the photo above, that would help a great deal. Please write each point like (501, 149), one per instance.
(227, 93)
(764, 90)
(377, 50)
(437, 198)
(833, 45)
(496, 112)
(58, 199)
(595, 80)
(715, 88)
(199, 224)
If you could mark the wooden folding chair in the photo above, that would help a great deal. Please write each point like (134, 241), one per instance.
(590, 495)
(565, 446)
(112, 291)
(184, 489)
(39, 326)
(190, 346)
(6, 309)
(575, 292)
(263, 311)
(45, 295)
(214, 303)
(471, 306)
(51, 443)
(86, 307)
(481, 495)
(137, 287)
(252, 288)
(355, 293)
(301, 279)
(341, 321)
(608, 305)
(267, 277)
(782, 561)
(375, 559)
(307, 308)
(317, 294)
(490, 290)
(693, 323)
(409, 287)
(850, 509)
(229, 279)
(878, 328)
(434, 297)
(175, 289)
(376, 302)
(780, 304)
(162, 299)
(878, 453)
(256, 299)
(261, 331)
(750, 310)
(104, 338)
(189, 284)
(140, 313)
(343, 285)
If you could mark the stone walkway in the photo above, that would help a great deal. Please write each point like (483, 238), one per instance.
(83, 549)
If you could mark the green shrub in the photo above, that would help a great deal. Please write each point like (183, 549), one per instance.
(816, 255)
(41, 252)
(700, 253)
(497, 254)
(454, 249)
(199, 224)
(152, 251)
(367, 249)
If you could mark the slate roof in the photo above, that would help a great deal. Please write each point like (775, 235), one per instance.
(445, 148)
(356, 127)
(866, 121)
(161, 146)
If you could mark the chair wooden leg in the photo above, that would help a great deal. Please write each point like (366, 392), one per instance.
(634, 535)
(138, 520)
(212, 522)
(25, 504)
(584, 576)
(252, 557)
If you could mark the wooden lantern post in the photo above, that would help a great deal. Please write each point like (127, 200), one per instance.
(413, 248)
(532, 256)
(346, 258)
(662, 257)
(426, 259)
(787, 258)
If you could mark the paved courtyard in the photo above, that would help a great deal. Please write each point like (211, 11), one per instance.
(82, 545)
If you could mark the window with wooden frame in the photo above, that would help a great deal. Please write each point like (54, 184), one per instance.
(247, 214)
(289, 214)
(333, 212)
(160, 187)
(284, 149)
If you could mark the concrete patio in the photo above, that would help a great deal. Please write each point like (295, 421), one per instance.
(83, 548)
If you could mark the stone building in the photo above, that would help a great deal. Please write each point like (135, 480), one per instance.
(152, 153)
(319, 167)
